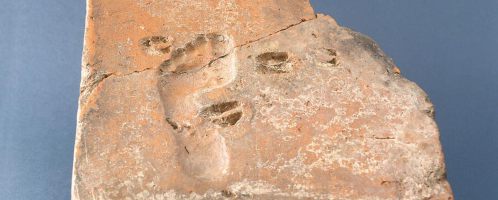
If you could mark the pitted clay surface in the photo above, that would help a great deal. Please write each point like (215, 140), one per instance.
(246, 100)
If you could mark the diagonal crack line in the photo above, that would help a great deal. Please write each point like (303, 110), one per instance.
(271, 34)
(95, 83)
(217, 58)
(206, 65)
(385, 138)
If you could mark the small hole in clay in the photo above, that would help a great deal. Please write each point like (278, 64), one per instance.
(229, 120)
(430, 112)
(274, 62)
(273, 58)
(334, 60)
(172, 123)
(219, 108)
(156, 45)
(227, 193)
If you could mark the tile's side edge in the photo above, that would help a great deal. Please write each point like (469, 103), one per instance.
(88, 58)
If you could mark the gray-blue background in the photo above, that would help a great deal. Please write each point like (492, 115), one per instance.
(449, 47)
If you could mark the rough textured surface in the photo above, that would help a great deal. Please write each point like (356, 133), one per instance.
(227, 99)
